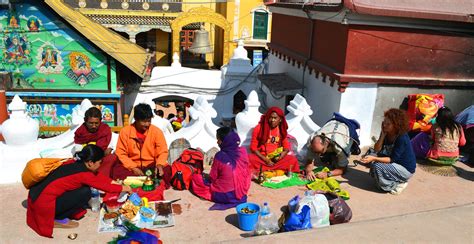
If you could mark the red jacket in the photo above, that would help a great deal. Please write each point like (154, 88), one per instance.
(40, 213)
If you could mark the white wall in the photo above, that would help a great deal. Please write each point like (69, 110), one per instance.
(358, 102)
(323, 99)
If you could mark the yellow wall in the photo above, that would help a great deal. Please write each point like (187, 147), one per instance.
(162, 45)
(246, 17)
(228, 10)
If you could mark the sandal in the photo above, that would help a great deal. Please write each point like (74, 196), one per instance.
(65, 224)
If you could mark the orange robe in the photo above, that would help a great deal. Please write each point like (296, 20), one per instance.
(132, 154)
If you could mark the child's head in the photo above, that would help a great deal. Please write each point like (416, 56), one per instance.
(444, 114)
(445, 120)
(180, 114)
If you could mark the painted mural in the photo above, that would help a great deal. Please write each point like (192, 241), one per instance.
(56, 114)
(43, 53)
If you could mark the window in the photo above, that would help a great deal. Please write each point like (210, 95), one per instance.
(260, 25)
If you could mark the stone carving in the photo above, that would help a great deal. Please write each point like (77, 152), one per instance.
(300, 125)
(79, 111)
(246, 120)
(176, 62)
(201, 131)
(20, 128)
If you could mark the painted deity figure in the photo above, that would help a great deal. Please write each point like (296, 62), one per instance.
(13, 22)
(17, 49)
(33, 26)
(49, 57)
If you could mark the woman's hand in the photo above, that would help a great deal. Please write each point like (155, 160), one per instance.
(137, 171)
(268, 162)
(282, 155)
(368, 159)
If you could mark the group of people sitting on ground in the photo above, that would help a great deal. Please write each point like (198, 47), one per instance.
(142, 146)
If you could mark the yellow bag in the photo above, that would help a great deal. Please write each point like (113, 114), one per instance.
(38, 168)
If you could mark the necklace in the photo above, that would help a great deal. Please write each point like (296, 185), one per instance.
(274, 138)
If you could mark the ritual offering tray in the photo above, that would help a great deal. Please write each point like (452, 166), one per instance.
(134, 181)
(157, 214)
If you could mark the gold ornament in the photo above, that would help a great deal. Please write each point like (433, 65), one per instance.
(104, 4)
(125, 5)
(82, 3)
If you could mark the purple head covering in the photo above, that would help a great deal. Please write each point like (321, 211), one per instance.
(229, 149)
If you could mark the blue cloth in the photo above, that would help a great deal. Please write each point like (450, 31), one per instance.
(466, 117)
(402, 153)
(351, 123)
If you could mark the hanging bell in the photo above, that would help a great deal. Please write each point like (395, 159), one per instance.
(201, 43)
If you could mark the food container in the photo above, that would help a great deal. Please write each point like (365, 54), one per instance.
(110, 218)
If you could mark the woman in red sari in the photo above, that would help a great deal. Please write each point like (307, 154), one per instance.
(65, 191)
(269, 135)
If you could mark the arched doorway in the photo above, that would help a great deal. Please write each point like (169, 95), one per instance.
(207, 15)
(172, 105)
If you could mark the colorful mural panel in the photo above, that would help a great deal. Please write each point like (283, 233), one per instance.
(43, 53)
(57, 114)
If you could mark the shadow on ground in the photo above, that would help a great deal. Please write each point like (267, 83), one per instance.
(467, 175)
(360, 179)
(232, 219)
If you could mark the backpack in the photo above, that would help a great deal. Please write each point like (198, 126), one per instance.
(38, 168)
(190, 162)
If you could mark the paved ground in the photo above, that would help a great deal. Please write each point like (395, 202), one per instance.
(432, 208)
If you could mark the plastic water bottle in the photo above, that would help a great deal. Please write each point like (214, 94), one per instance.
(95, 200)
(265, 210)
(267, 224)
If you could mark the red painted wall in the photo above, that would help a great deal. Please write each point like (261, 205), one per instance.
(412, 53)
(329, 45)
(291, 32)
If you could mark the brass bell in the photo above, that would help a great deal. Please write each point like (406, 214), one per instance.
(201, 43)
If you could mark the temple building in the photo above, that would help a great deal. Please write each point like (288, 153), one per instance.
(361, 57)
(58, 52)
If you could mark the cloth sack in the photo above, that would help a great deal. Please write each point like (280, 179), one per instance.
(38, 168)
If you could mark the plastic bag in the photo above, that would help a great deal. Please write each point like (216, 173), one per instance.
(340, 211)
(267, 225)
(319, 208)
(299, 221)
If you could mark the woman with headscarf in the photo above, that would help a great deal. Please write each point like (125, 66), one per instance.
(229, 177)
(270, 145)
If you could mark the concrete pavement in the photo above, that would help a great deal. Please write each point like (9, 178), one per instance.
(375, 214)
(447, 225)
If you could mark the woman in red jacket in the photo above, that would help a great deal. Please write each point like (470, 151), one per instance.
(65, 191)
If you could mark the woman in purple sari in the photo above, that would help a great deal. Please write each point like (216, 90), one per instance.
(229, 177)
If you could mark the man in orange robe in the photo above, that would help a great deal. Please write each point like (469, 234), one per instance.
(141, 146)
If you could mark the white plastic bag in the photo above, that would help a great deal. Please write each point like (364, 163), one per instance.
(319, 208)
